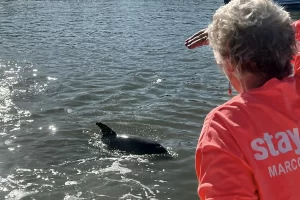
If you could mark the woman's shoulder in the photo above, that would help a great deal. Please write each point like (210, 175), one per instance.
(228, 108)
(216, 126)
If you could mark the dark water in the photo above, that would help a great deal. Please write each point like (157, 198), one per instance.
(66, 64)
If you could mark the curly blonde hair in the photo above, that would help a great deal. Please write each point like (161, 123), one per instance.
(256, 36)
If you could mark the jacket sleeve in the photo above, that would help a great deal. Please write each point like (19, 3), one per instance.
(296, 59)
(222, 172)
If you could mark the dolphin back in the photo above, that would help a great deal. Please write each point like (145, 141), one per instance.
(129, 144)
(106, 131)
(134, 145)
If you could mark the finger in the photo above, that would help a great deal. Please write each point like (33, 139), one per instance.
(201, 40)
(202, 37)
(197, 38)
(194, 36)
(201, 32)
(196, 43)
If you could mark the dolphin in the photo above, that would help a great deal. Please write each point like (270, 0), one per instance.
(129, 144)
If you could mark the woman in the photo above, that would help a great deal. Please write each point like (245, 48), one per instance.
(249, 147)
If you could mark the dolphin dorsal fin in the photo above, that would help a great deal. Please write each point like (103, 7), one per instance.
(106, 131)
